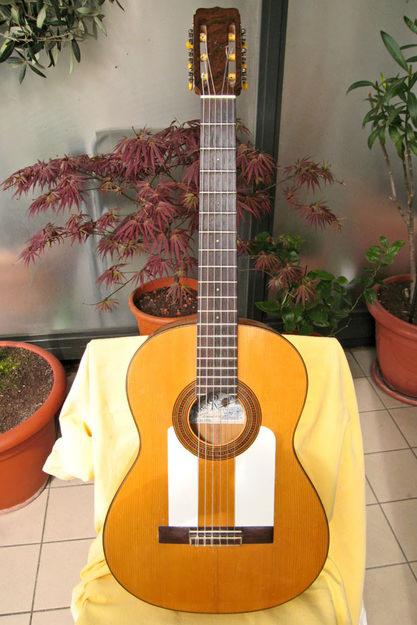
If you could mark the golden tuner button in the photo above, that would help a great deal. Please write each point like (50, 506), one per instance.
(189, 45)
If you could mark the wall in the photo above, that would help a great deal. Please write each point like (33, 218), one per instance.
(134, 77)
(330, 44)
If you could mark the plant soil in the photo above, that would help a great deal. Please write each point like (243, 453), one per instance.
(395, 297)
(24, 388)
(159, 304)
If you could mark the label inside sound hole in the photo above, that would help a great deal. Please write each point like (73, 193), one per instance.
(217, 409)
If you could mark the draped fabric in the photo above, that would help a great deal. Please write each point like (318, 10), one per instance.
(100, 441)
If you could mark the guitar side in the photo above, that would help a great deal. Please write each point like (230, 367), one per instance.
(212, 579)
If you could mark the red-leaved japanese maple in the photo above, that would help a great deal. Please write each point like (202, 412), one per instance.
(159, 174)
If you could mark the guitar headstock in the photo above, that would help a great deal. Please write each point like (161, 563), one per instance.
(217, 53)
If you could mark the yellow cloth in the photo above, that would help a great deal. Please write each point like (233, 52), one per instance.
(99, 441)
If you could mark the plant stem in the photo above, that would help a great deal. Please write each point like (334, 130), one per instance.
(409, 183)
(393, 195)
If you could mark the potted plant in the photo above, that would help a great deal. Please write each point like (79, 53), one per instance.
(392, 117)
(32, 28)
(32, 389)
(312, 301)
(157, 177)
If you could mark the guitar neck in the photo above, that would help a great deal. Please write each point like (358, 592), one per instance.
(217, 256)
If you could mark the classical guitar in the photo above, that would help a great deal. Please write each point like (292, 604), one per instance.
(216, 514)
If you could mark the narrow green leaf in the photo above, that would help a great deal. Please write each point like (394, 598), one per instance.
(412, 107)
(370, 116)
(360, 83)
(100, 25)
(412, 59)
(408, 46)
(381, 135)
(397, 140)
(22, 74)
(394, 114)
(372, 137)
(76, 50)
(411, 25)
(6, 50)
(394, 49)
(87, 11)
(15, 15)
(36, 70)
(41, 17)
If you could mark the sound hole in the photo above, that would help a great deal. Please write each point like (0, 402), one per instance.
(217, 419)
(224, 429)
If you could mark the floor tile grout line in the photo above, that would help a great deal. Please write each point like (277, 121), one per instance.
(385, 451)
(39, 558)
(359, 364)
(354, 377)
(72, 485)
(392, 501)
(67, 607)
(392, 530)
(385, 566)
(372, 409)
(399, 429)
(53, 542)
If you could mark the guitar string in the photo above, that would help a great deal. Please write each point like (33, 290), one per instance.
(207, 340)
(201, 298)
(215, 339)
(224, 165)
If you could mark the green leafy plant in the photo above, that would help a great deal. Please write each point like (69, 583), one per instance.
(308, 301)
(30, 28)
(8, 364)
(392, 119)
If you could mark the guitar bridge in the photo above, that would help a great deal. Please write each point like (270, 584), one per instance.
(215, 536)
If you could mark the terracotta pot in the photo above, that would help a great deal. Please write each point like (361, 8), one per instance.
(396, 346)
(24, 448)
(147, 324)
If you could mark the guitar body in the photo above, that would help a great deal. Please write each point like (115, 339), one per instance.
(222, 577)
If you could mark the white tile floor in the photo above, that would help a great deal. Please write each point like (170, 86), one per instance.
(44, 546)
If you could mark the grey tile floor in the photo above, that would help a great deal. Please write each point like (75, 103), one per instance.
(44, 545)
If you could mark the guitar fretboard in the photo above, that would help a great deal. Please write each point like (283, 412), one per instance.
(217, 261)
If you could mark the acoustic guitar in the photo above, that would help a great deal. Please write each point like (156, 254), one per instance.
(216, 514)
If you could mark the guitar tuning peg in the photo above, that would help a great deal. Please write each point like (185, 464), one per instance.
(189, 45)
(191, 33)
(243, 31)
(245, 85)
